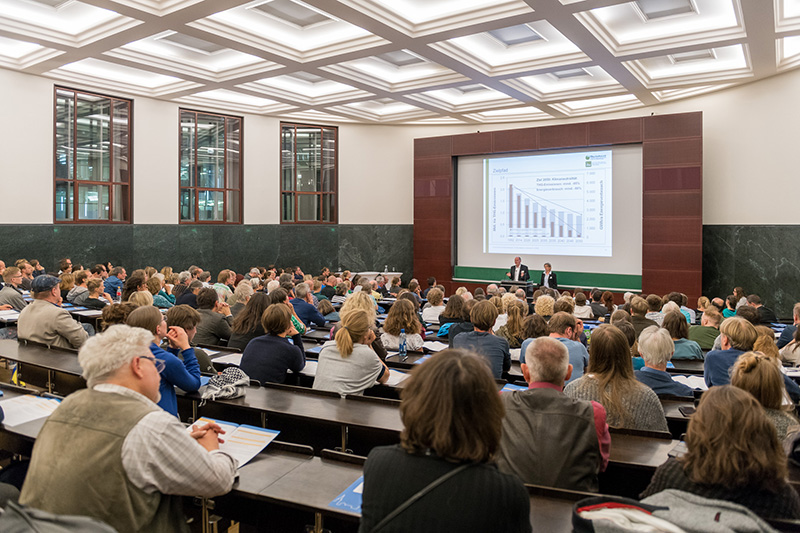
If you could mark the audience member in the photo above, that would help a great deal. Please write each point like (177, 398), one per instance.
(678, 328)
(66, 284)
(183, 372)
(216, 319)
(739, 295)
(608, 302)
(347, 364)
(304, 307)
(549, 438)
(267, 358)
(452, 416)
(654, 304)
(45, 321)
(326, 309)
(610, 381)
(513, 330)
(141, 460)
(494, 349)
(562, 328)
(224, 285)
(115, 281)
(115, 314)
(95, 297)
(639, 309)
(787, 335)
(141, 298)
(187, 318)
(401, 317)
(790, 353)
(544, 306)
(656, 348)
(155, 287)
(765, 314)
(733, 454)
(11, 293)
(244, 291)
(436, 300)
(761, 376)
(737, 336)
(248, 324)
(189, 296)
(363, 301)
(707, 332)
(134, 283)
(453, 311)
(465, 324)
(581, 309)
(598, 309)
(81, 277)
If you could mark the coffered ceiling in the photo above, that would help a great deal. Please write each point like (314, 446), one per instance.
(403, 61)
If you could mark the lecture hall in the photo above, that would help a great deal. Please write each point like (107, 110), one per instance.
(409, 265)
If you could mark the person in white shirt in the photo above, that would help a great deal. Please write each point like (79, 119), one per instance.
(431, 313)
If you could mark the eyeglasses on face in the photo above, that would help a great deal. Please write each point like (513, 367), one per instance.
(160, 364)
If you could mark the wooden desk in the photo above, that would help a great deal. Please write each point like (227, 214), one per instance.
(693, 367)
(55, 369)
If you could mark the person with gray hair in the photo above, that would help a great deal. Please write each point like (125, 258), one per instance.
(139, 460)
(549, 438)
(304, 306)
(656, 348)
(244, 290)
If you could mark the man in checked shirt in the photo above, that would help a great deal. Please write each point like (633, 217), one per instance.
(111, 453)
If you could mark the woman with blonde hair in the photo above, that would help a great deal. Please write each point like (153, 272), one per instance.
(761, 376)
(500, 302)
(432, 312)
(348, 365)
(362, 300)
(733, 454)
(402, 317)
(155, 285)
(544, 306)
(66, 284)
(737, 336)
(514, 329)
(610, 381)
(141, 299)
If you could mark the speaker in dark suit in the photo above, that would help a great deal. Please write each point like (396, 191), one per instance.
(523, 271)
(549, 276)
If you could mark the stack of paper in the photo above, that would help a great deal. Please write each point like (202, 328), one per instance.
(434, 346)
(396, 377)
(694, 382)
(242, 442)
(310, 369)
(27, 408)
(515, 353)
(230, 359)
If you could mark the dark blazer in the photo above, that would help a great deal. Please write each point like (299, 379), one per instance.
(307, 312)
(552, 280)
(187, 298)
(524, 275)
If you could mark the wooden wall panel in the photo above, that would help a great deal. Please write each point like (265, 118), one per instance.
(675, 256)
(673, 126)
(681, 152)
(564, 136)
(472, 143)
(515, 140)
(623, 131)
(673, 203)
(424, 187)
(433, 167)
(672, 230)
(667, 179)
(672, 191)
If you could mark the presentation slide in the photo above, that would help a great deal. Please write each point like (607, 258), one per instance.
(578, 209)
(550, 204)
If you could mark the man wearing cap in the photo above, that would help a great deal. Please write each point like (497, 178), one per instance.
(45, 321)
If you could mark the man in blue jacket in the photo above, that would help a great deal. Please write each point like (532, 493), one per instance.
(656, 347)
(304, 308)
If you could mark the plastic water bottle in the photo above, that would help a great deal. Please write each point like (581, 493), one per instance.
(403, 355)
(119, 294)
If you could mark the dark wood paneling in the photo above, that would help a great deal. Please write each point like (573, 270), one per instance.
(434, 231)
(425, 187)
(431, 265)
(564, 136)
(433, 146)
(661, 179)
(673, 203)
(515, 140)
(683, 152)
(432, 249)
(673, 126)
(627, 130)
(664, 281)
(675, 256)
(472, 143)
(433, 167)
(672, 230)
(432, 208)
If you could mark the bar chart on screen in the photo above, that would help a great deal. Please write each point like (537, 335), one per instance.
(556, 204)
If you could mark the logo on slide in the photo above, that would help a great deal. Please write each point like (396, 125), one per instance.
(588, 163)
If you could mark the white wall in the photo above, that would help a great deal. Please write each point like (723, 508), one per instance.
(750, 143)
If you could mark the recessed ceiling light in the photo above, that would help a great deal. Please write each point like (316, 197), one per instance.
(570, 73)
(697, 55)
(512, 35)
(307, 76)
(656, 9)
(55, 4)
(466, 89)
(192, 43)
(385, 101)
(292, 12)
(401, 58)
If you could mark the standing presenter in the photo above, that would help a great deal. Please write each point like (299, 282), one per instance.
(518, 272)
(549, 278)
